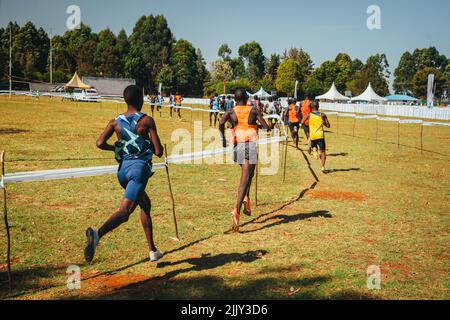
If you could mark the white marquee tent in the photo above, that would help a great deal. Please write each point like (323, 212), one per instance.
(333, 95)
(369, 95)
(260, 93)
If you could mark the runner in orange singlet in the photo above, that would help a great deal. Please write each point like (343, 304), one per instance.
(244, 120)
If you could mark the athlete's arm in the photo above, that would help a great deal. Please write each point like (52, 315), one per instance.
(262, 122)
(325, 120)
(306, 119)
(153, 133)
(102, 141)
(222, 122)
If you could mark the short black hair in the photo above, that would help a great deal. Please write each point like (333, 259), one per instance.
(240, 95)
(133, 96)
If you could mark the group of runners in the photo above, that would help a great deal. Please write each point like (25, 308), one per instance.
(138, 141)
(157, 100)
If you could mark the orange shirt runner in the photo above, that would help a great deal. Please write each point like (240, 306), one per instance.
(306, 109)
(293, 114)
(243, 131)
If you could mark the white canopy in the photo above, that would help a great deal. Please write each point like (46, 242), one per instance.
(333, 94)
(260, 93)
(369, 95)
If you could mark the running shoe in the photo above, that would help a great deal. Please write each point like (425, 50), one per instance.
(156, 255)
(91, 244)
(235, 220)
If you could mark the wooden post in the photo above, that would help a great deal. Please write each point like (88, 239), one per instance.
(5, 217)
(376, 129)
(171, 194)
(398, 134)
(285, 159)
(337, 123)
(354, 124)
(256, 180)
(421, 138)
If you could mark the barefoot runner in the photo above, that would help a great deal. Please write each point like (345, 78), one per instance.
(316, 121)
(137, 141)
(244, 120)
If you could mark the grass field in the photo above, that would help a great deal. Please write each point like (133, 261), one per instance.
(380, 204)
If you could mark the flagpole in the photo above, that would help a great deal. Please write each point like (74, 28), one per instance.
(10, 60)
(51, 59)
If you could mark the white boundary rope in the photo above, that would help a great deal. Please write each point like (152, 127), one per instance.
(95, 171)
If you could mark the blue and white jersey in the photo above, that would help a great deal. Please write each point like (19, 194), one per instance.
(215, 105)
(131, 146)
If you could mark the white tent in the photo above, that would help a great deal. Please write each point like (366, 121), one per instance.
(260, 93)
(369, 95)
(333, 94)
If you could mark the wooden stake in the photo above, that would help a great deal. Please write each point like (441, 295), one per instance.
(337, 123)
(398, 135)
(5, 217)
(354, 124)
(171, 194)
(285, 159)
(421, 138)
(376, 130)
(256, 180)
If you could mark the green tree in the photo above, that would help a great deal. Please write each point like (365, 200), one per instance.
(238, 67)
(420, 82)
(186, 78)
(375, 71)
(220, 71)
(224, 52)
(107, 57)
(165, 77)
(123, 48)
(253, 54)
(203, 74)
(85, 59)
(268, 83)
(313, 87)
(30, 51)
(288, 72)
(404, 74)
(150, 48)
(272, 65)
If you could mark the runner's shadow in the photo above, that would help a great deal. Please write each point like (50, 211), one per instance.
(181, 248)
(341, 154)
(204, 262)
(284, 218)
(341, 170)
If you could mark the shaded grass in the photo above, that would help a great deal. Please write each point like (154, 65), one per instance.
(296, 238)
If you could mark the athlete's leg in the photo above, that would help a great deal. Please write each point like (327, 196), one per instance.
(146, 205)
(247, 171)
(210, 118)
(120, 216)
(171, 110)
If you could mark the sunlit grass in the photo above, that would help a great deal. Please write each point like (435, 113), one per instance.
(381, 204)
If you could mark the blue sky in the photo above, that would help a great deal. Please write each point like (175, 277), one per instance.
(322, 27)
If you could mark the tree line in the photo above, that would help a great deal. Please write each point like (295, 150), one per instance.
(152, 55)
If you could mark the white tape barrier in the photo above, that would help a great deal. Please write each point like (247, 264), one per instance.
(95, 171)
(405, 121)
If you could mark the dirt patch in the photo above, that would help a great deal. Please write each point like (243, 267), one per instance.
(116, 281)
(336, 195)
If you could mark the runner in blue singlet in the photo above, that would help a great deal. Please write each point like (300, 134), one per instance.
(137, 141)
